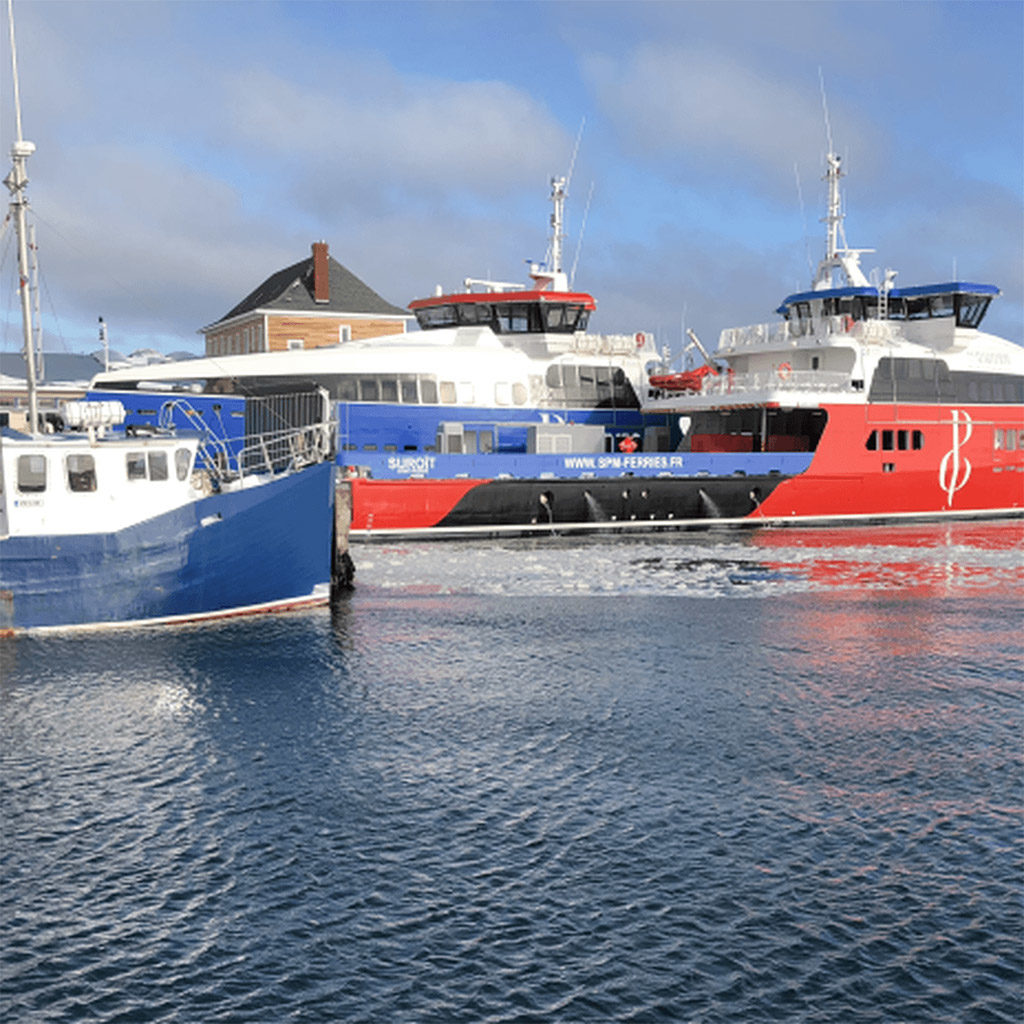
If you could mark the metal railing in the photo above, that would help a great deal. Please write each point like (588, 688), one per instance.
(799, 381)
(794, 333)
(262, 451)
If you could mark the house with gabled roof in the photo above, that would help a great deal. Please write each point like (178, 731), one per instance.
(312, 304)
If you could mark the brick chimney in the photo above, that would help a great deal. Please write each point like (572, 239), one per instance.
(321, 284)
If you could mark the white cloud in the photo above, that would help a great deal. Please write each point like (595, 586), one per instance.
(420, 136)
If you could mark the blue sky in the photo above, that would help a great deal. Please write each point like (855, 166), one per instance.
(187, 150)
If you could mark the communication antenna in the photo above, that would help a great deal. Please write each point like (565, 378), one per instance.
(579, 241)
(575, 151)
(824, 107)
(803, 220)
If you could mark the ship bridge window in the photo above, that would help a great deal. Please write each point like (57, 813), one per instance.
(564, 319)
(447, 392)
(408, 389)
(369, 389)
(428, 390)
(157, 462)
(970, 309)
(431, 317)
(81, 470)
(388, 389)
(182, 463)
(516, 318)
(475, 313)
(31, 474)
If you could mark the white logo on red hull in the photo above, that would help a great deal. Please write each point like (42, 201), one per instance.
(954, 470)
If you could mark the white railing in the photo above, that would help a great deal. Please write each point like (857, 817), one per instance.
(607, 344)
(738, 385)
(789, 333)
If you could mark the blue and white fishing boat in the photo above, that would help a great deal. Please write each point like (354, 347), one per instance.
(105, 527)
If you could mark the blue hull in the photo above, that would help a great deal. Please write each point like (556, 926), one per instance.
(259, 548)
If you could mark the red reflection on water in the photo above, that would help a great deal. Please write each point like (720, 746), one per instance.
(962, 558)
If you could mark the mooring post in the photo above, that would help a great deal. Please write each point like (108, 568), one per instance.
(343, 570)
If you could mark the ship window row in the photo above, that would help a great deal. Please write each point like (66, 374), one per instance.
(968, 308)
(80, 470)
(931, 380)
(599, 385)
(411, 390)
(1008, 440)
(894, 440)
(507, 317)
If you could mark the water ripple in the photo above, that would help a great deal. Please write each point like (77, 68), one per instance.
(518, 807)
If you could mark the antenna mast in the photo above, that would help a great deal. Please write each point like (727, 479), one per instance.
(16, 181)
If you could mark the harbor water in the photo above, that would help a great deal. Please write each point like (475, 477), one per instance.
(772, 776)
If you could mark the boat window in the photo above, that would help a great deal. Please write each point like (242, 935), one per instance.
(428, 390)
(157, 465)
(554, 376)
(368, 389)
(519, 393)
(431, 317)
(474, 313)
(81, 473)
(502, 393)
(886, 440)
(348, 389)
(556, 317)
(448, 392)
(941, 305)
(971, 309)
(902, 439)
(872, 442)
(918, 440)
(389, 390)
(135, 465)
(182, 463)
(31, 474)
(408, 386)
(514, 318)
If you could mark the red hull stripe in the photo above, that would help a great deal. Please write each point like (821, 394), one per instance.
(405, 504)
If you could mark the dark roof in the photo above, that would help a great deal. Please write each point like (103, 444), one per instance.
(291, 289)
(58, 367)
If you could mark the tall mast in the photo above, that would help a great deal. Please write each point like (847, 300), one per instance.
(834, 218)
(557, 224)
(16, 182)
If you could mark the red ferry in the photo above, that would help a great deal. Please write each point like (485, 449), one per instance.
(863, 402)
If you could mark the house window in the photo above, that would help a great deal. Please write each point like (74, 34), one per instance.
(344, 333)
(295, 343)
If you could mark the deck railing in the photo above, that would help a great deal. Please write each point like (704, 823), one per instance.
(308, 434)
(805, 333)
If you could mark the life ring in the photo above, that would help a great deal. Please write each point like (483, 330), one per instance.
(640, 338)
(627, 445)
(785, 371)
